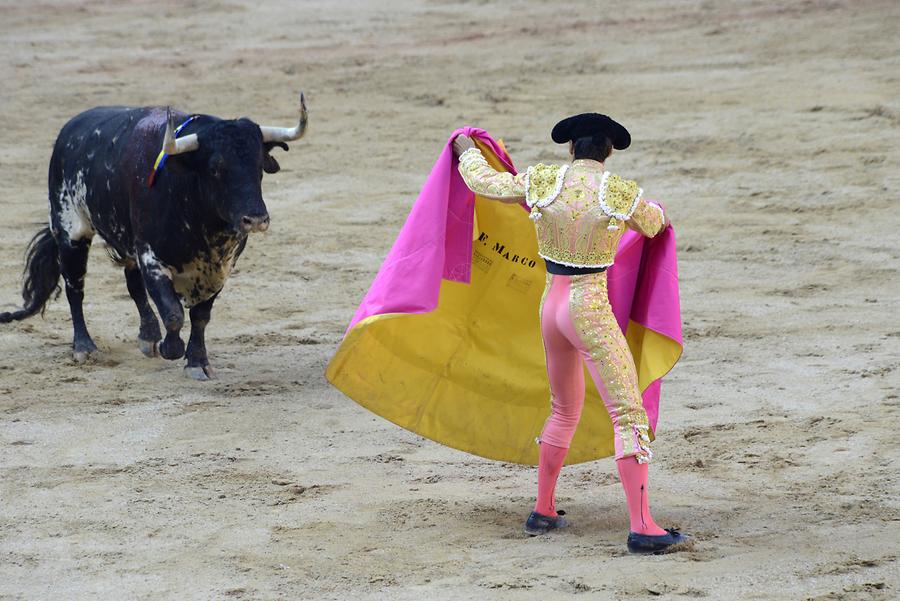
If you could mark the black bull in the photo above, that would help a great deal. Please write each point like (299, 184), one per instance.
(178, 240)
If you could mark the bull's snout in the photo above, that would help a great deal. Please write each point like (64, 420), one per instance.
(254, 223)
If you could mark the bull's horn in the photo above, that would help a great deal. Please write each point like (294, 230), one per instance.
(287, 134)
(173, 145)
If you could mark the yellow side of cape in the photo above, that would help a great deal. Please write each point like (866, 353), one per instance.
(471, 374)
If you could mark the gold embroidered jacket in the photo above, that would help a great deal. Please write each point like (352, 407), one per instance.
(578, 209)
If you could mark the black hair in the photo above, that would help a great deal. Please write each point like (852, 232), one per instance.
(593, 147)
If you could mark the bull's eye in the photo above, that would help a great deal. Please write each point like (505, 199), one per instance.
(217, 167)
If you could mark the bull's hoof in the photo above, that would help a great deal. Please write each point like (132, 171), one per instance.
(201, 373)
(172, 348)
(150, 348)
(82, 351)
(82, 357)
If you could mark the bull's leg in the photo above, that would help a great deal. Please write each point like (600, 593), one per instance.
(73, 257)
(149, 334)
(162, 291)
(198, 366)
(163, 294)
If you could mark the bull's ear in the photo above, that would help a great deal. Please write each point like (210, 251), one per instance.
(270, 165)
(270, 145)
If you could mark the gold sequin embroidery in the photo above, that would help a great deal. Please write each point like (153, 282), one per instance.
(576, 229)
(576, 225)
(483, 180)
(598, 330)
(543, 183)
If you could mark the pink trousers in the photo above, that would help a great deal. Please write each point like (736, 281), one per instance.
(579, 328)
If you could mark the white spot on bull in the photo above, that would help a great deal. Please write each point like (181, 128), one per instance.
(152, 266)
(74, 217)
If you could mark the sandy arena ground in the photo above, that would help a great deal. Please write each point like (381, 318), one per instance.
(769, 129)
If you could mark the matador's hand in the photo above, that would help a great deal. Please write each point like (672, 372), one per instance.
(462, 144)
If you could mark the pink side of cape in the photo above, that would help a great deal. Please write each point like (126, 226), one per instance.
(436, 242)
(643, 288)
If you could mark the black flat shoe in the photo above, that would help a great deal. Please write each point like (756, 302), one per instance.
(538, 524)
(670, 542)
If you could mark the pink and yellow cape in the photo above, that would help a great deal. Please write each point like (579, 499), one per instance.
(447, 341)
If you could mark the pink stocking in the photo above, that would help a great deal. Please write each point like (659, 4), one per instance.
(551, 462)
(634, 480)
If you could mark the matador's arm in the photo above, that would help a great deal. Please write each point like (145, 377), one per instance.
(648, 218)
(483, 180)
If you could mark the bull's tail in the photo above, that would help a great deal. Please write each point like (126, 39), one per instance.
(41, 276)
